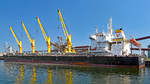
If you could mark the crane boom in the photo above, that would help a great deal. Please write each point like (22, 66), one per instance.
(47, 39)
(26, 31)
(41, 27)
(67, 36)
(30, 40)
(18, 42)
(62, 24)
(14, 35)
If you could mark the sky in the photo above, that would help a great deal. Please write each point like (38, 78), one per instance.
(80, 16)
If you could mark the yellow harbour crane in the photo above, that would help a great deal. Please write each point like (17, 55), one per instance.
(30, 40)
(67, 36)
(18, 42)
(47, 39)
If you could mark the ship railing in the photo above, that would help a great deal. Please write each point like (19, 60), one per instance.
(49, 54)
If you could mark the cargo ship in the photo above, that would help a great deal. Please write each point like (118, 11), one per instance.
(106, 50)
(80, 60)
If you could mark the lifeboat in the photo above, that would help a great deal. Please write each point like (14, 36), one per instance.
(93, 48)
(134, 42)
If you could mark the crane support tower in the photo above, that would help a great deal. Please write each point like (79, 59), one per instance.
(18, 42)
(68, 49)
(47, 39)
(30, 40)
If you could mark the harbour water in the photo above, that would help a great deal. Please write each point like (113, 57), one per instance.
(19, 73)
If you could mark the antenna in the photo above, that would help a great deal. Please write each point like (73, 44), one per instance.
(96, 29)
(109, 26)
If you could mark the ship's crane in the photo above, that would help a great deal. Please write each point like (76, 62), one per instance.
(30, 40)
(18, 42)
(67, 36)
(47, 39)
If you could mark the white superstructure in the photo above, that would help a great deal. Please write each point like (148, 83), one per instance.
(9, 49)
(107, 43)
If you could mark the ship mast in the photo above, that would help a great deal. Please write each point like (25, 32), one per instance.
(109, 26)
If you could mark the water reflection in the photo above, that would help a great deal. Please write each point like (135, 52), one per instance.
(49, 78)
(68, 77)
(48, 74)
(19, 78)
(33, 76)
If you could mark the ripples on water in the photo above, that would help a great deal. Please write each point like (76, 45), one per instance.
(14, 73)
